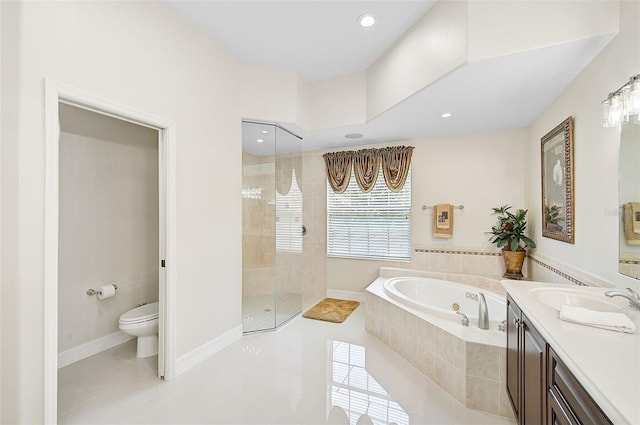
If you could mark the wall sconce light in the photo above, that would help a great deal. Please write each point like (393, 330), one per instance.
(622, 104)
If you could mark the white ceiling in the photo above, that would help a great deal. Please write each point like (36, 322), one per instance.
(499, 94)
(321, 39)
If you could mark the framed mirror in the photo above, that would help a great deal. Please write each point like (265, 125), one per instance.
(558, 208)
(629, 197)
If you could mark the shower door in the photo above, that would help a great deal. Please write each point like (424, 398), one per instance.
(288, 226)
(271, 226)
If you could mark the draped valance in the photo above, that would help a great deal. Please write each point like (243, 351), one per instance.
(338, 166)
(395, 162)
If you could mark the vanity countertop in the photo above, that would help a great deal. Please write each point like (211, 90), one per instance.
(607, 363)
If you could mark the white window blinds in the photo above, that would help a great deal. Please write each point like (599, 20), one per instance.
(374, 225)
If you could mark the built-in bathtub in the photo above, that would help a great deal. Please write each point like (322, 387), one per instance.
(445, 299)
(414, 313)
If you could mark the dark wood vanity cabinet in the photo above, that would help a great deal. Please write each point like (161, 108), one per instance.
(541, 388)
(571, 402)
(526, 360)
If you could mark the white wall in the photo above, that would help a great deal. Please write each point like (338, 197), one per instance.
(109, 222)
(596, 157)
(268, 93)
(143, 55)
(10, 386)
(479, 171)
(338, 101)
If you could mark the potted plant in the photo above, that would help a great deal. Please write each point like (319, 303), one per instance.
(508, 234)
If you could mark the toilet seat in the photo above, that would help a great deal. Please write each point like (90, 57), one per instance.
(141, 314)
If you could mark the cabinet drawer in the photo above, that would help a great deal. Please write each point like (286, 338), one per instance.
(558, 412)
(571, 395)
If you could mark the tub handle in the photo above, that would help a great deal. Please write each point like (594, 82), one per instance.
(465, 319)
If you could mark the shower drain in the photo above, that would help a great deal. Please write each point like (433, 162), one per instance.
(267, 310)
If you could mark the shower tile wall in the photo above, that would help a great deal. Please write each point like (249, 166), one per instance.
(315, 218)
(258, 225)
(108, 222)
(258, 231)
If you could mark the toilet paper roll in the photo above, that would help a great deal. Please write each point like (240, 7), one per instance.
(106, 291)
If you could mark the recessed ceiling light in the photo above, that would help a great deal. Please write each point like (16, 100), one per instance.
(259, 140)
(447, 115)
(353, 135)
(367, 20)
(265, 132)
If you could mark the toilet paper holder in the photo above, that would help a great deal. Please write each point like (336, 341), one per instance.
(98, 292)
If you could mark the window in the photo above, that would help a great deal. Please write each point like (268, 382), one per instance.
(374, 225)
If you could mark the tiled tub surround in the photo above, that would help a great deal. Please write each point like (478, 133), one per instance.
(489, 263)
(471, 261)
(467, 362)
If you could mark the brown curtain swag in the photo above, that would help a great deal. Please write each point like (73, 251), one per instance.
(395, 166)
(338, 166)
(366, 164)
(395, 162)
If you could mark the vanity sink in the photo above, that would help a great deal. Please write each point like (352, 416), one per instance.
(575, 297)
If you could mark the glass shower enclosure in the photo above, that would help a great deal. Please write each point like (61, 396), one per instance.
(272, 228)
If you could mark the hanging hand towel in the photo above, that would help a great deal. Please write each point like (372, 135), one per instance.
(635, 217)
(599, 319)
(629, 214)
(443, 221)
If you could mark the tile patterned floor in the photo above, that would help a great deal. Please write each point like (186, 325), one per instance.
(307, 372)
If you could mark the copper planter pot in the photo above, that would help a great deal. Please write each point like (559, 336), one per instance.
(513, 262)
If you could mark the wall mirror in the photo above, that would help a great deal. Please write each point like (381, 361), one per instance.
(629, 196)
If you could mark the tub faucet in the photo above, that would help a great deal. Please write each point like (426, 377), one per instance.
(631, 295)
(465, 319)
(483, 312)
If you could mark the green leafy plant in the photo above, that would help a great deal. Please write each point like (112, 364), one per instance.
(508, 232)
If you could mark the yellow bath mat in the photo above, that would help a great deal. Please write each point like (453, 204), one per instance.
(331, 310)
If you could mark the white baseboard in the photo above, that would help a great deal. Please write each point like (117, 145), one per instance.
(198, 355)
(90, 348)
(346, 295)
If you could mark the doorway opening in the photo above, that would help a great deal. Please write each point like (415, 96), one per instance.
(110, 212)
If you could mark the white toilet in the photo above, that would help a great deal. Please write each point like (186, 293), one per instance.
(142, 322)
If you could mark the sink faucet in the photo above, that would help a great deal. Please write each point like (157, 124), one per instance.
(483, 312)
(632, 296)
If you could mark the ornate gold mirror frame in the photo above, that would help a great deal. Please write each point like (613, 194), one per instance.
(558, 207)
